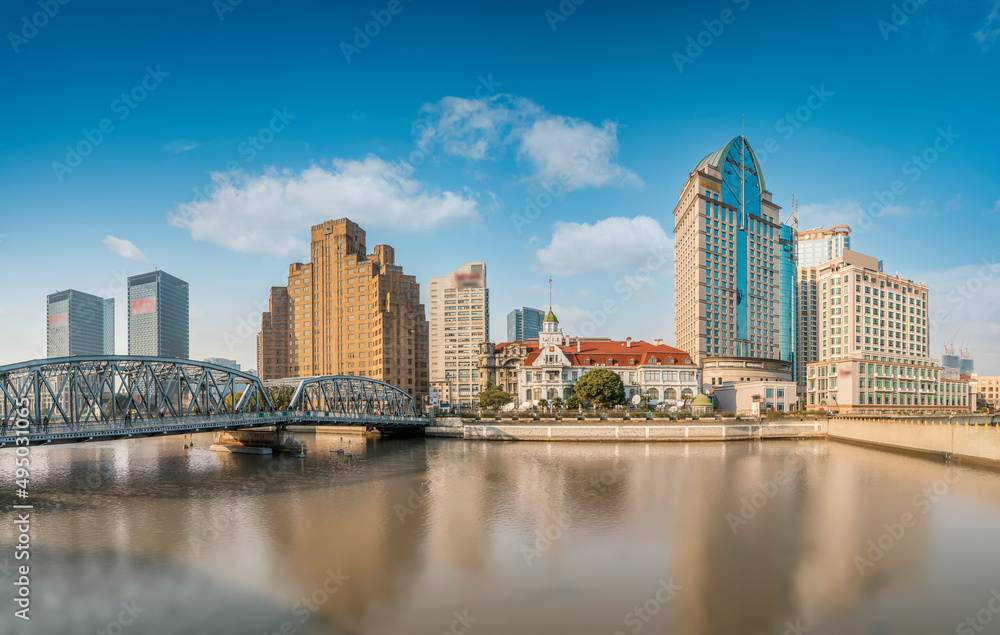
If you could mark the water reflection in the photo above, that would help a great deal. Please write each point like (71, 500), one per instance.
(521, 537)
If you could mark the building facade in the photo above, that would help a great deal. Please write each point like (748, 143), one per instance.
(873, 344)
(727, 255)
(500, 364)
(814, 247)
(158, 315)
(988, 389)
(79, 324)
(666, 376)
(222, 361)
(346, 313)
(756, 398)
(524, 324)
(459, 320)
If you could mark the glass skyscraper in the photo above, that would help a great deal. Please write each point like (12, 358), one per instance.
(79, 324)
(158, 317)
(728, 261)
(788, 295)
(524, 324)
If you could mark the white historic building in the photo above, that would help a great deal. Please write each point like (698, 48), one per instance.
(665, 374)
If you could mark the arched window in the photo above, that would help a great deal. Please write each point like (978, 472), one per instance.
(631, 361)
(670, 393)
(652, 360)
(669, 360)
(553, 393)
(653, 394)
(687, 393)
(586, 360)
(687, 360)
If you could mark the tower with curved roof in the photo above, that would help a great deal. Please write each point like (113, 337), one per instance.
(727, 256)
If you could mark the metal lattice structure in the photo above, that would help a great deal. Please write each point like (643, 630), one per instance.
(91, 390)
(348, 395)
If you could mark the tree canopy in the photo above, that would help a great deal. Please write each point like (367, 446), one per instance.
(493, 398)
(601, 386)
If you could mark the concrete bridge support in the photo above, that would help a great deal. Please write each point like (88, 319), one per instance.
(255, 442)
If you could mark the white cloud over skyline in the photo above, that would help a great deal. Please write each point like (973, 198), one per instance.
(557, 148)
(124, 248)
(614, 245)
(270, 214)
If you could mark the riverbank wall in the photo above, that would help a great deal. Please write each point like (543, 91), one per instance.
(952, 441)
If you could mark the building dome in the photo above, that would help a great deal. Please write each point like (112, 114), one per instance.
(550, 317)
(701, 400)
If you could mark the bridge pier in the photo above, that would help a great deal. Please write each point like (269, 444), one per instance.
(255, 441)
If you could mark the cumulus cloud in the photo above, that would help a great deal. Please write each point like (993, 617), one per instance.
(558, 149)
(124, 248)
(267, 214)
(988, 34)
(614, 245)
(840, 212)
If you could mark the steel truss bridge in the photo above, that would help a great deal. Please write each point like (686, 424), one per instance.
(73, 399)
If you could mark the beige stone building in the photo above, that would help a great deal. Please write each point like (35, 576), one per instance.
(459, 321)
(500, 364)
(346, 313)
(873, 344)
(988, 388)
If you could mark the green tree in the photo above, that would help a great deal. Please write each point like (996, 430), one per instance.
(493, 398)
(557, 403)
(543, 403)
(601, 386)
(573, 402)
(281, 397)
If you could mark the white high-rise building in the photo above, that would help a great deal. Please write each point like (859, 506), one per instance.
(459, 320)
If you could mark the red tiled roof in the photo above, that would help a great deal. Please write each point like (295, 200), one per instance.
(531, 345)
(600, 352)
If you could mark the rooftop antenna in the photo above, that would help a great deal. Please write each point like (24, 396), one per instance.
(550, 293)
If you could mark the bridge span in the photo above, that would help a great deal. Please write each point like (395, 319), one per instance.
(78, 399)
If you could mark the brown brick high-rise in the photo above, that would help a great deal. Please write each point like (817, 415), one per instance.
(346, 313)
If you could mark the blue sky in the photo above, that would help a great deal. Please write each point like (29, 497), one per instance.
(545, 138)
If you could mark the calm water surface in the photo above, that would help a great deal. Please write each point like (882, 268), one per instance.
(409, 536)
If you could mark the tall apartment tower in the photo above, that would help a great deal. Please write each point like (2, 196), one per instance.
(873, 343)
(159, 319)
(814, 247)
(346, 313)
(79, 324)
(459, 321)
(727, 256)
(524, 324)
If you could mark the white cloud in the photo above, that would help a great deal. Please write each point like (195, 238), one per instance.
(124, 248)
(614, 245)
(560, 150)
(996, 208)
(840, 212)
(988, 34)
(267, 214)
(180, 146)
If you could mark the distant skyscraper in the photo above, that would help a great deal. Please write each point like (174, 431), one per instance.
(79, 324)
(222, 361)
(524, 324)
(727, 259)
(459, 321)
(813, 248)
(158, 315)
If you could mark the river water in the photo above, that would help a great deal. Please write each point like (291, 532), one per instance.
(451, 536)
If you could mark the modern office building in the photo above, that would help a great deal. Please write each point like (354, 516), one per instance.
(524, 324)
(727, 259)
(787, 296)
(222, 361)
(873, 344)
(813, 248)
(459, 313)
(79, 324)
(346, 313)
(158, 315)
